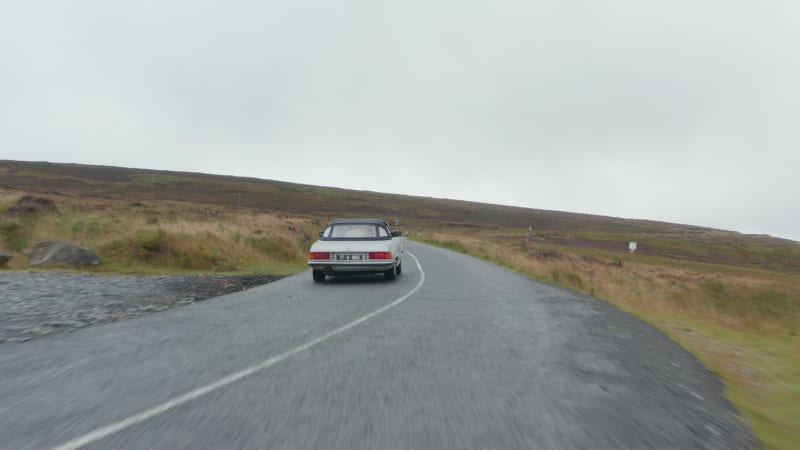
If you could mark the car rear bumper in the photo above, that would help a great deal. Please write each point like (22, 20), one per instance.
(352, 268)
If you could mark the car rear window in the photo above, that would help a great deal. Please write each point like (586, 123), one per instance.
(356, 231)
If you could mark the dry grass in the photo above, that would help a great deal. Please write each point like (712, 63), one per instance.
(742, 299)
(157, 236)
(761, 372)
(7, 198)
(742, 323)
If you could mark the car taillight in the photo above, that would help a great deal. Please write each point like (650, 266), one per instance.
(319, 255)
(380, 255)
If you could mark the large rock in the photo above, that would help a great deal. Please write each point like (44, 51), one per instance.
(5, 257)
(61, 253)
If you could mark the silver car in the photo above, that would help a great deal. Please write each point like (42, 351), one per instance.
(357, 246)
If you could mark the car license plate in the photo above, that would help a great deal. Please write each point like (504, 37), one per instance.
(349, 257)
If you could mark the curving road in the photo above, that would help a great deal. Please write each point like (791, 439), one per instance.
(455, 354)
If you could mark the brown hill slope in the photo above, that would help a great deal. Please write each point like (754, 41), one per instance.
(125, 183)
(562, 228)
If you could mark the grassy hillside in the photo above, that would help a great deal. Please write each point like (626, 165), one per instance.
(679, 242)
(731, 299)
(268, 195)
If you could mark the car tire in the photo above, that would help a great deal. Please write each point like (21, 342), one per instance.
(391, 274)
(319, 276)
(400, 267)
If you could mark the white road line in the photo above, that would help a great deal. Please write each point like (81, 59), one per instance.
(116, 427)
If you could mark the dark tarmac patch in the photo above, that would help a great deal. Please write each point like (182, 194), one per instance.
(37, 304)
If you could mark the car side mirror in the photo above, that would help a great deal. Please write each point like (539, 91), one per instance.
(321, 233)
(397, 233)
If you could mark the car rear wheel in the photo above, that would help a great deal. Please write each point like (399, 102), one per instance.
(391, 274)
(318, 275)
(399, 268)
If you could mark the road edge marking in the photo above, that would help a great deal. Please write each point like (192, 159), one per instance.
(118, 426)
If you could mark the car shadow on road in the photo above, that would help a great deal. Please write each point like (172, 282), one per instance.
(356, 279)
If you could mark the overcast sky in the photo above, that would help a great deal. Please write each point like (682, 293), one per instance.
(683, 111)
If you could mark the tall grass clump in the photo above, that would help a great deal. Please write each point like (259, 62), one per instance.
(168, 250)
(568, 279)
(277, 247)
(14, 234)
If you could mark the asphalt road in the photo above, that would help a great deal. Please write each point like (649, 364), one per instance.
(455, 354)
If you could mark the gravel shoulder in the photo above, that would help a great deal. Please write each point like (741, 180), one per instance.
(37, 304)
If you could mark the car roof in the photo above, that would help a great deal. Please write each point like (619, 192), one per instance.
(359, 220)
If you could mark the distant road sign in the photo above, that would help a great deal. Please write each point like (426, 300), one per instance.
(632, 247)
